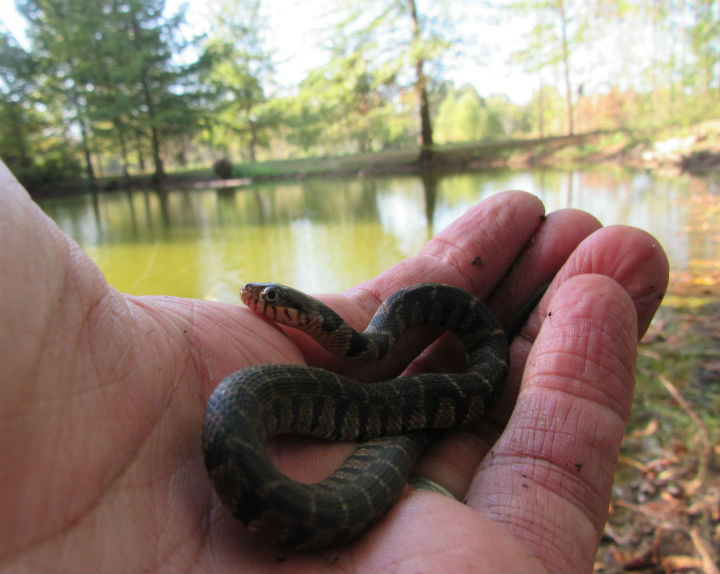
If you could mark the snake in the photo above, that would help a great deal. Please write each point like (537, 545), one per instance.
(394, 420)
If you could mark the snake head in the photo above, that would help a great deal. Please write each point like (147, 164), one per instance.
(278, 302)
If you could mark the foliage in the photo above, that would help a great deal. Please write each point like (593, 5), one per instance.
(238, 73)
(396, 45)
(560, 29)
(356, 112)
(107, 68)
(16, 74)
(26, 130)
(464, 116)
(115, 87)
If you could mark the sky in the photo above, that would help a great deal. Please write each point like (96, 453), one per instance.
(293, 37)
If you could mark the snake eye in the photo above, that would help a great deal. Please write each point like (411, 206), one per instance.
(270, 293)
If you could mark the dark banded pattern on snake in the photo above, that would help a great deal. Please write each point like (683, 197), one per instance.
(395, 417)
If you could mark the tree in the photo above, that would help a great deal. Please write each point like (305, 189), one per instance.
(560, 27)
(33, 143)
(546, 110)
(403, 42)
(60, 33)
(165, 87)
(111, 66)
(462, 116)
(349, 98)
(562, 16)
(18, 74)
(238, 72)
(418, 56)
(704, 32)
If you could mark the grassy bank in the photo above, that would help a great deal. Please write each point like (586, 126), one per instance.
(695, 149)
(443, 158)
(556, 150)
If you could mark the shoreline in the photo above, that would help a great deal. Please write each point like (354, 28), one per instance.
(697, 154)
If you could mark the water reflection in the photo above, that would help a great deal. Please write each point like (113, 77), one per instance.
(326, 234)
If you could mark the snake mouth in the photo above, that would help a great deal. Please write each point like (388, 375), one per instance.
(250, 293)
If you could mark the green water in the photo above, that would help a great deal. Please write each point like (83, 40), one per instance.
(325, 235)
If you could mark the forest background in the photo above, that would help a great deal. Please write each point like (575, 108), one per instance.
(122, 87)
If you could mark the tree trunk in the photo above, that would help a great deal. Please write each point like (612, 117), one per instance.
(426, 135)
(18, 133)
(139, 150)
(252, 143)
(566, 66)
(84, 138)
(154, 132)
(123, 149)
(541, 111)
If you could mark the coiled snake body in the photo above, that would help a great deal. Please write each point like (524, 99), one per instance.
(394, 416)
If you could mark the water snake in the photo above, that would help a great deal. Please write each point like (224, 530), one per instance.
(393, 418)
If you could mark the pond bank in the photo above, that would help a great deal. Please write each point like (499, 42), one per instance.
(695, 152)
(442, 159)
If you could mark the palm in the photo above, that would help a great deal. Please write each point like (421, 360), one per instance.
(103, 396)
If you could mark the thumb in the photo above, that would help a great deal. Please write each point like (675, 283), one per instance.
(549, 477)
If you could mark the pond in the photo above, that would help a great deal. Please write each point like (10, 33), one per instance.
(324, 235)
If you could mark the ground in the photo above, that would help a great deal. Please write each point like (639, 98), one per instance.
(665, 512)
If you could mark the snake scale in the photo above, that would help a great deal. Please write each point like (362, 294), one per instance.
(392, 418)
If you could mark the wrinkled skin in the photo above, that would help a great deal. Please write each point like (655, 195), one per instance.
(103, 396)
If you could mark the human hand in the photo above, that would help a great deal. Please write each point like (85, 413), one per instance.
(103, 396)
